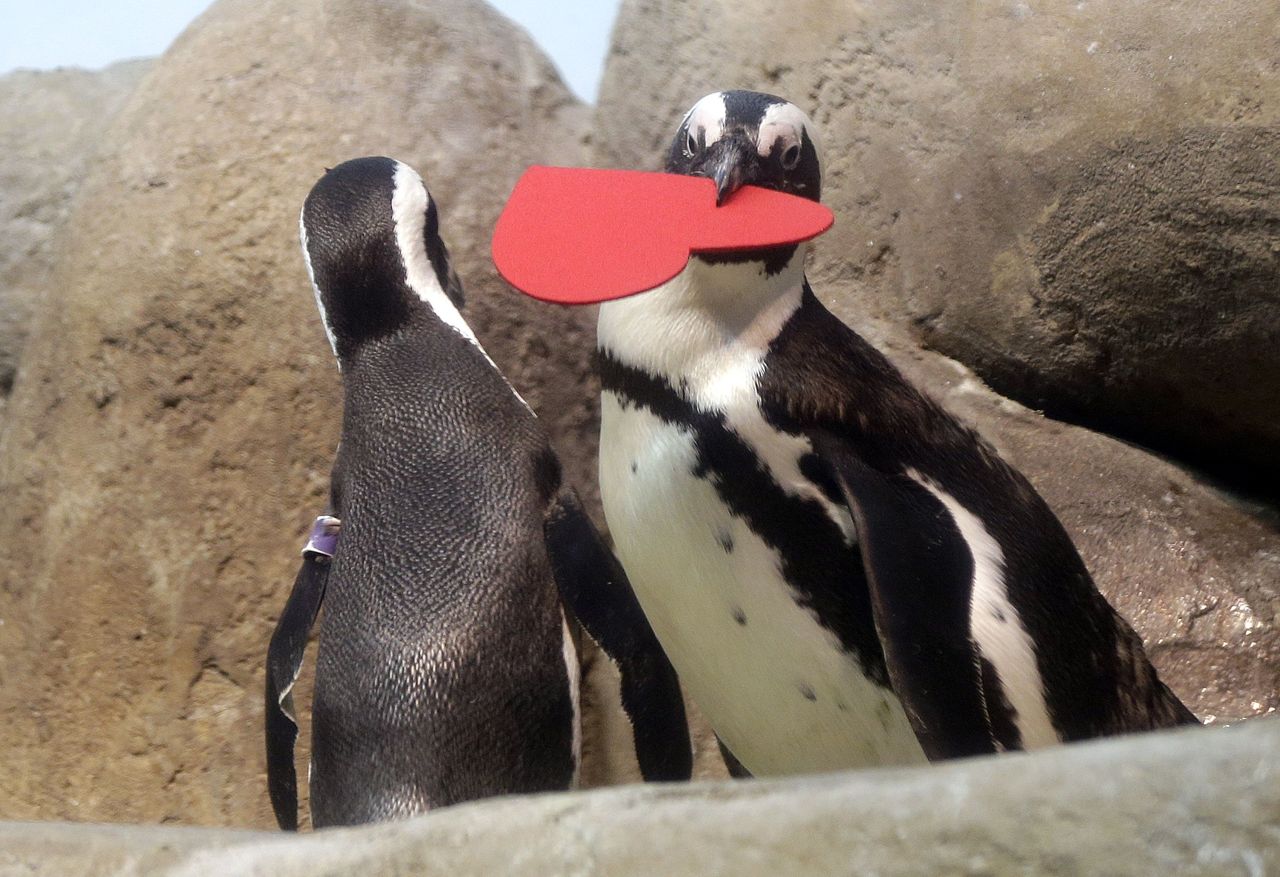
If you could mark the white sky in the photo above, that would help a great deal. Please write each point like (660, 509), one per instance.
(42, 34)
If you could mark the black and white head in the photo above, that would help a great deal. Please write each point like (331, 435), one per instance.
(371, 241)
(740, 138)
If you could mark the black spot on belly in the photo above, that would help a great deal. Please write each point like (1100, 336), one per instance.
(999, 613)
(882, 713)
(633, 467)
(807, 690)
(725, 540)
(739, 616)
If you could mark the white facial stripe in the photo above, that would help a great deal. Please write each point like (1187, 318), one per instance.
(311, 275)
(996, 627)
(707, 116)
(409, 208)
(788, 121)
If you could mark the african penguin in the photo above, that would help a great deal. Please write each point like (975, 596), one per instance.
(446, 669)
(842, 574)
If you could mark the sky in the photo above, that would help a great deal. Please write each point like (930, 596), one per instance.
(94, 33)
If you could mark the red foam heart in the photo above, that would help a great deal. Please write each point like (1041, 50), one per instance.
(581, 235)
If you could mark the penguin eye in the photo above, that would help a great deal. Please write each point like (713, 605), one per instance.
(690, 144)
(791, 157)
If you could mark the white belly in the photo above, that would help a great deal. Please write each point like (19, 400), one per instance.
(775, 684)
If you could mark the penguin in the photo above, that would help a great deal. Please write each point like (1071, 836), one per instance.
(842, 573)
(446, 669)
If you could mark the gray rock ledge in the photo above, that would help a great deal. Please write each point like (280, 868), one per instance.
(1199, 801)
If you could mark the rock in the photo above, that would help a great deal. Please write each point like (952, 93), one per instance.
(1187, 802)
(170, 435)
(50, 133)
(905, 101)
(1080, 200)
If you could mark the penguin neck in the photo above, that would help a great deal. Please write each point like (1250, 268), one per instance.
(701, 316)
(423, 327)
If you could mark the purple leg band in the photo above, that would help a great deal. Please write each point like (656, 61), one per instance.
(324, 536)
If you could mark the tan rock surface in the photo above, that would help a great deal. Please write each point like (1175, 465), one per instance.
(50, 132)
(1080, 200)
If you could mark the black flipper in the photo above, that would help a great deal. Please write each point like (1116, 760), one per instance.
(920, 572)
(595, 589)
(284, 660)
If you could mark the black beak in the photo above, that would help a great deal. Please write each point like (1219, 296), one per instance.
(731, 165)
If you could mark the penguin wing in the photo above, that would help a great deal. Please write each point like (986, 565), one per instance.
(595, 589)
(919, 569)
(284, 660)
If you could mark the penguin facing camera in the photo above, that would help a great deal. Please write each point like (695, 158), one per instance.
(842, 573)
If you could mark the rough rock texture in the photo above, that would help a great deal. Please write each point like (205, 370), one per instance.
(1197, 572)
(50, 123)
(1193, 802)
(1079, 200)
(170, 434)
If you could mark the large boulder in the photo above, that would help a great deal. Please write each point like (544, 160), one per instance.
(49, 134)
(170, 434)
(908, 97)
(1079, 200)
(1190, 802)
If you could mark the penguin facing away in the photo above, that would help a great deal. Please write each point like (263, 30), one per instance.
(842, 573)
(446, 670)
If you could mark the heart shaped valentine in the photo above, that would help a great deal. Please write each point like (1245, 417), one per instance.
(581, 235)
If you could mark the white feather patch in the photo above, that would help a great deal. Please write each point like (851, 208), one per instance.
(574, 670)
(409, 208)
(707, 118)
(997, 628)
(790, 123)
(311, 275)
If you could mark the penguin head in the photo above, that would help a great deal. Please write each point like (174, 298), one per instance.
(740, 138)
(371, 241)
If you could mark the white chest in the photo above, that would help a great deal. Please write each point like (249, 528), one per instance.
(774, 683)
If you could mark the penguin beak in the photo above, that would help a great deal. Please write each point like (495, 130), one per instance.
(732, 165)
